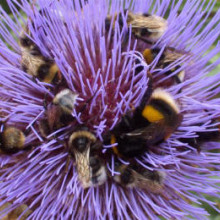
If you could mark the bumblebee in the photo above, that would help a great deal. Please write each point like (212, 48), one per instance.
(86, 149)
(151, 123)
(202, 137)
(59, 112)
(12, 140)
(135, 176)
(34, 63)
(149, 28)
(167, 58)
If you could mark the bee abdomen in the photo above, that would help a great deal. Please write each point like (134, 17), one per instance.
(12, 140)
(162, 106)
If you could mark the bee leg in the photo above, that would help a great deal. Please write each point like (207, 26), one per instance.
(165, 196)
(60, 77)
(177, 79)
(97, 146)
(27, 131)
(45, 102)
(143, 39)
(179, 91)
(132, 107)
(196, 144)
(126, 122)
(69, 157)
(87, 102)
(66, 170)
(139, 68)
(125, 40)
(193, 143)
(34, 79)
(61, 142)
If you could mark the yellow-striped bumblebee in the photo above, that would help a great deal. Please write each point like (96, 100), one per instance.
(136, 176)
(167, 57)
(34, 63)
(59, 112)
(149, 28)
(86, 149)
(11, 140)
(151, 123)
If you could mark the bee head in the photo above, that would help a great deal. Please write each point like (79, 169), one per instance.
(66, 100)
(80, 141)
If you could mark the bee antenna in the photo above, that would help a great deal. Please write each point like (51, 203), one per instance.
(87, 102)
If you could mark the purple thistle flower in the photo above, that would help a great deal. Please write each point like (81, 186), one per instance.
(98, 64)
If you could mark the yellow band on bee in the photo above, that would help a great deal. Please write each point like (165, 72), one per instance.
(147, 54)
(113, 141)
(152, 114)
(52, 73)
(115, 150)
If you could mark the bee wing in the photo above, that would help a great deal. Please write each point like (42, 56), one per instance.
(53, 114)
(156, 131)
(151, 134)
(152, 22)
(172, 56)
(145, 182)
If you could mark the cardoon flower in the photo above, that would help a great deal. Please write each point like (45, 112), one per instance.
(100, 66)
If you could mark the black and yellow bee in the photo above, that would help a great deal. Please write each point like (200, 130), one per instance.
(59, 112)
(167, 58)
(86, 149)
(149, 28)
(34, 63)
(136, 176)
(151, 123)
(202, 137)
(12, 140)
